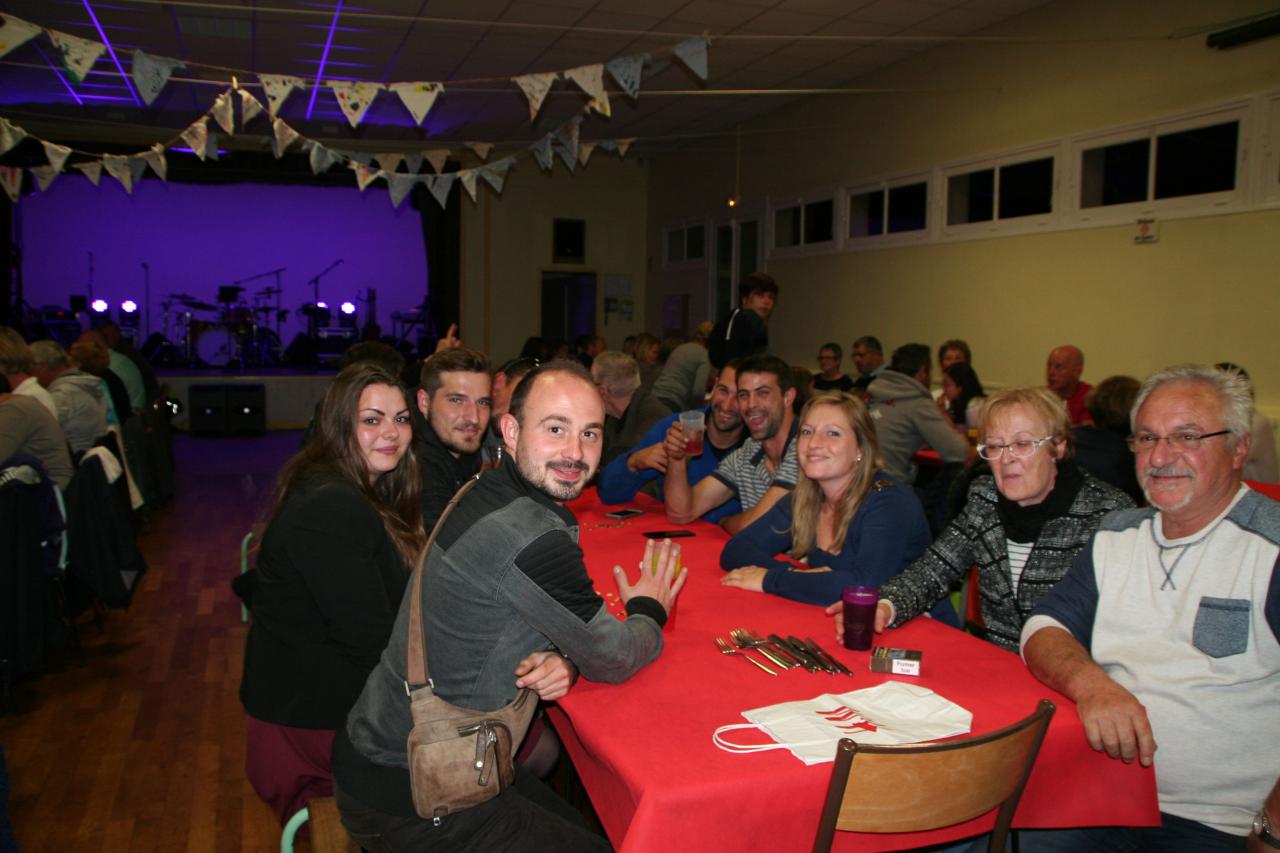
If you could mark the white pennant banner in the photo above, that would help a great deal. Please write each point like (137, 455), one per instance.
(282, 137)
(363, 157)
(364, 175)
(468, 178)
(568, 156)
(584, 152)
(354, 97)
(601, 106)
(542, 152)
(15, 33)
(399, 185)
(117, 166)
(156, 160)
(624, 145)
(197, 136)
(44, 176)
(278, 87)
(389, 161)
(78, 55)
(322, 158)
(56, 154)
(496, 173)
(151, 74)
(535, 88)
(567, 136)
(250, 107)
(224, 112)
(626, 70)
(137, 167)
(693, 53)
(413, 162)
(92, 170)
(482, 149)
(418, 98)
(590, 79)
(440, 185)
(11, 180)
(211, 147)
(437, 157)
(10, 135)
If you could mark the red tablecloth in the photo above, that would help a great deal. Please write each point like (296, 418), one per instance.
(658, 783)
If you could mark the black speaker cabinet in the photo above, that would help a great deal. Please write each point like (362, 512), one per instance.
(247, 408)
(207, 409)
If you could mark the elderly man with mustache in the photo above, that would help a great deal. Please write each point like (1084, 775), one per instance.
(1166, 631)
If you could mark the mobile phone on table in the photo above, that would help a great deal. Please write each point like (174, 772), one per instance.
(629, 512)
(668, 534)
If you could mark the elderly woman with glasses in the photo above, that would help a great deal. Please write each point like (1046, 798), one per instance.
(1021, 527)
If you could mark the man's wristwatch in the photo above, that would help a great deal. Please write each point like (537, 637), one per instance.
(1262, 829)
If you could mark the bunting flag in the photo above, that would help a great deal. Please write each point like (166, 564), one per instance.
(11, 180)
(197, 136)
(584, 152)
(481, 149)
(623, 146)
(693, 53)
(151, 74)
(354, 97)
(250, 107)
(568, 156)
(468, 178)
(56, 154)
(322, 158)
(156, 160)
(15, 33)
(364, 175)
(626, 70)
(278, 87)
(542, 152)
(567, 135)
(78, 55)
(496, 173)
(10, 135)
(440, 185)
(362, 157)
(389, 161)
(437, 157)
(418, 98)
(590, 79)
(535, 88)
(117, 166)
(44, 176)
(413, 162)
(92, 170)
(282, 137)
(224, 113)
(211, 146)
(399, 185)
(137, 168)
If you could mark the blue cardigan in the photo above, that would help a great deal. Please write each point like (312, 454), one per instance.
(888, 531)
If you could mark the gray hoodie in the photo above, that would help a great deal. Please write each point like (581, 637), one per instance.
(82, 408)
(907, 419)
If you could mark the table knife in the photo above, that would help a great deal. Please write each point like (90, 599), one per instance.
(822, 664)
(806, 660)
(825, 655)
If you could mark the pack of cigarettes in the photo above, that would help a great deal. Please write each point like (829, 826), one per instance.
(896, 661)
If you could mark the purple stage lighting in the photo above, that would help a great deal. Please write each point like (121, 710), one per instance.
(348, 308)
(324, 305)
(99, 306)
(128, 306)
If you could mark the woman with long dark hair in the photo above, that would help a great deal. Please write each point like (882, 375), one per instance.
(962, 394)
(344, 531)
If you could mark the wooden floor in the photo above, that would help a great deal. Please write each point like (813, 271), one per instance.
(142, 748)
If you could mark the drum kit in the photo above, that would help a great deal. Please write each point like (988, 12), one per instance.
(229, 332)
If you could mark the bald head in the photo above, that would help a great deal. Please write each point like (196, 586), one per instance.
(1062, 373)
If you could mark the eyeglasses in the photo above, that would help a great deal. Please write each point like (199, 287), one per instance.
(1147, 442)
(1020, 449)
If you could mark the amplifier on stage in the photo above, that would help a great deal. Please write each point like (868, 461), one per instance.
(247, 408)
(207, 409)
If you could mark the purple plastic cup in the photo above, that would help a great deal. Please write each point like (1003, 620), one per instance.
(859, 616)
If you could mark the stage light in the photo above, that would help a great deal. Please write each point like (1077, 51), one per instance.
(324, 305)
(348, 308)
(129, 306)
(99, 306)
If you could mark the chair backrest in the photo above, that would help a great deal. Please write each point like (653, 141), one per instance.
(914, 788)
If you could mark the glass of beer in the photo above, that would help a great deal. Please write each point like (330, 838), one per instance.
(694, 424)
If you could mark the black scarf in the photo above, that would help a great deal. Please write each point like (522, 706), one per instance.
(1024, 523)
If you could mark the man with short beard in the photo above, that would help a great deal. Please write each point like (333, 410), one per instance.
(453, 397)
(1167, 627)
(504, 580)
(759, 472)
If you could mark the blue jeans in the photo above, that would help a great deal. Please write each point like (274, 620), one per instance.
(1173, 835)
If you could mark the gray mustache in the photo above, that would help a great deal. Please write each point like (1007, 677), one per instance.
(1168, 471)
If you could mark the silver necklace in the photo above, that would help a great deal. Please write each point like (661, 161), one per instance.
(1185, 546)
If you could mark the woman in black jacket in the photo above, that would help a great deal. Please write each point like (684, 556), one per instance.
(344, 532)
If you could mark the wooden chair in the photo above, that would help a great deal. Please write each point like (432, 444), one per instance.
(914, 788)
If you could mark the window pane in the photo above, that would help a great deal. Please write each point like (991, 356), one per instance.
(724, 270)
(786, 227)
(908, 208)
(1026, 189)
(1197, 161)
(695, 242)
(675, 245)
(748, 247)
(971, 197)
(819, 221)
(1115, 174)
(866, 214)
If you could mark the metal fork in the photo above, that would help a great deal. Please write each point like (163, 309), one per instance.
(744, 639)
(727, 649)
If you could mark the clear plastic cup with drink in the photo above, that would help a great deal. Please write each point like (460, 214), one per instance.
(694, 425)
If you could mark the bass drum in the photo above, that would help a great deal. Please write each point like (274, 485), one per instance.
(215, 345)
(264, 348)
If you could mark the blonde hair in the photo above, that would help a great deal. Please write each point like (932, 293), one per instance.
(807, 498)
(1043, 403)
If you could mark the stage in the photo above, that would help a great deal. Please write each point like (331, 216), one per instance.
(291, 395)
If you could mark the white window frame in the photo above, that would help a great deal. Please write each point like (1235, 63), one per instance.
(886, 238)
(774, 205)
(683, 227)
(1190, 205)
(1267, 178)
(740, 214)
(997, 226)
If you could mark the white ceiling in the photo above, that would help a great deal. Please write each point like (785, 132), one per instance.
(453, 41)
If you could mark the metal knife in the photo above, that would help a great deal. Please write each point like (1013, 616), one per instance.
(825, 655)
(806, 660)
(822, 664)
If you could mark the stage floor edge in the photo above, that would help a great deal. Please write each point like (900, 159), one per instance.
(291, 395)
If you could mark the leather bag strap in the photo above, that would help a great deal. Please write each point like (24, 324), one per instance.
(417, 669)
